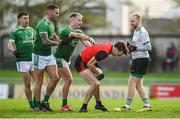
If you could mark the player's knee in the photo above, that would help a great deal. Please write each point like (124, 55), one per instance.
(27, 86)
(69, 80)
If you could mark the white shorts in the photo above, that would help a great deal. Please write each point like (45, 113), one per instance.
(61, 63)
(25, 66)
(40, 62)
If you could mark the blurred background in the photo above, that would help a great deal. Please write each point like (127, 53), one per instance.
(104, 20)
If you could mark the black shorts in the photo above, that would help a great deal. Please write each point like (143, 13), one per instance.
(139, 67)
(80, 65)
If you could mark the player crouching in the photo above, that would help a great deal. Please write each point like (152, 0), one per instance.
(86, 66)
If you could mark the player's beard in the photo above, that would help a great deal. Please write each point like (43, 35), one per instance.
(134, 27)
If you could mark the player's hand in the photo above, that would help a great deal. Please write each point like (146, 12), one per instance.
(57, 43)
(131, 48)
(17, 53)
(92, 41)
(100, 77)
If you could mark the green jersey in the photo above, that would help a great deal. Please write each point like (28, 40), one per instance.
(66, 49)
(43, 26)
(24, 40)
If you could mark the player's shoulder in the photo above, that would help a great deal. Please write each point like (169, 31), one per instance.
(31, 28)
(143, 30)
(43, 21)
(79, 31)
(65, 28)
(14, 30)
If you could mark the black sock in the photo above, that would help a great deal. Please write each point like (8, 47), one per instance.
(98, 103)
(84, 106)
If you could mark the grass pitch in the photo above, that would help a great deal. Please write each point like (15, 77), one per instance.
(18, 108)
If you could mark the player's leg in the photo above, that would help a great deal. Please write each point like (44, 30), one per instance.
(65, 73)
(39, 68)
(52, 72)
(133, 79)
(99, 105)
(89, 77)
(140, 87)
(38, 75)
(27, 87)
(23, 67)
(131, 91)
(142, 92)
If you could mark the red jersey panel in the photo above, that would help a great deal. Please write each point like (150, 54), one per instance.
(89, 52)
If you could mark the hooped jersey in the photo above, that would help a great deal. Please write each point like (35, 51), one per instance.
(93, 50)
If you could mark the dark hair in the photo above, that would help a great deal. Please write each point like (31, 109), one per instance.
(51, 7)
(20, 14)
(74, 14)
(121, 46)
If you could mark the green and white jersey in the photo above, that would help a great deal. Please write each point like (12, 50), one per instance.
(142, 41)
(43, 26)
(24, 40)
(66, 49)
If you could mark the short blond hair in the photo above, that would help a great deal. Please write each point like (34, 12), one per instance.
(74, 14)
(137, 15)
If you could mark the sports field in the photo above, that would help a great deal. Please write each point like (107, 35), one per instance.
(165, 108)
(11, 108)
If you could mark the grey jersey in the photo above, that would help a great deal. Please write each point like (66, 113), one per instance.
(142, 41)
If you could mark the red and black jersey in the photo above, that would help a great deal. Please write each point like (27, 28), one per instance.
(100, 51)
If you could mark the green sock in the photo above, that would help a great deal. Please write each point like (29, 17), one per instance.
(46, 99)
(64, 102)
(31, 104)
(38, 103)
(34, 101)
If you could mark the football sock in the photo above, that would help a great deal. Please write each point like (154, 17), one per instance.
(34, 101)
(84, 106)
(98, 103)
(128, 103)
(46, 99)
(145, 101)
(64, 102)
(38, 103)
(31, 104)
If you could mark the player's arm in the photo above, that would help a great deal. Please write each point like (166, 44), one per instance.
(56, 38)
(86, 43)
(78, 36)
(46, 41)
(146, 45)
(94, 60)
(12, 48)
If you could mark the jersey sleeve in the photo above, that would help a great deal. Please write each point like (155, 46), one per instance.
(145, 38)
(43, 27)
(66, 32)
(12, 36)
(101, 55)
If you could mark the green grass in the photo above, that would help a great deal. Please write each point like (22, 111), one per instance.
(18, 108)
(14, 73)
(111, 78)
